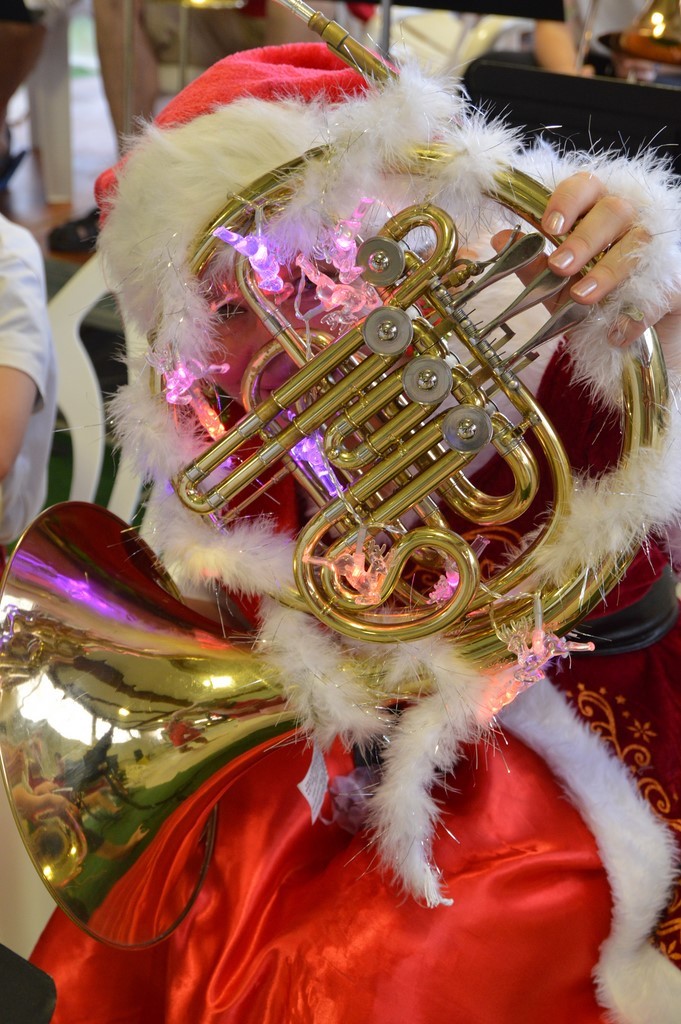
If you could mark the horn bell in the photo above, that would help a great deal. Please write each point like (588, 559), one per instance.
(124, 716)
(656, 33)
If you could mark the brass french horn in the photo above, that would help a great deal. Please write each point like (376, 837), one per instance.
(139, 712)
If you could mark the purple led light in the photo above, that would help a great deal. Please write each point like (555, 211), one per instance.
(254, 247)
(344, 256)
(181, 378)
(309, 450)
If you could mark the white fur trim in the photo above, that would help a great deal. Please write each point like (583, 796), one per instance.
(250, 558)
(155, 435)
(322, 686)
(637, 984)
(424, 744)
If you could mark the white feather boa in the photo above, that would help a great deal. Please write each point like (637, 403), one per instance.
(173, 183)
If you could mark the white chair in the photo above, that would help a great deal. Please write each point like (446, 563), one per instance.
(444, 40)
(79, 394)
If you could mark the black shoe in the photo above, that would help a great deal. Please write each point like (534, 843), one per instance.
(78, 235)
(10, 162)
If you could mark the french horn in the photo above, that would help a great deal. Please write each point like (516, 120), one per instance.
(140, 712)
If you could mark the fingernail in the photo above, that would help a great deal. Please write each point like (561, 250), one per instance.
(561, 259)
(555, 222)
(585, 287)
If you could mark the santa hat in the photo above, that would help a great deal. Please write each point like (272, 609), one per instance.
(245, 117)
(302, 70)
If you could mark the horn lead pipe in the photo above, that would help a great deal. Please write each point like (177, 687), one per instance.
(339, 40)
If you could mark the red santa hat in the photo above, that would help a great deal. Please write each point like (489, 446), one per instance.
(307, 71)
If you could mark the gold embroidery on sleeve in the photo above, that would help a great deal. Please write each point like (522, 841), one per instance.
(634, 751)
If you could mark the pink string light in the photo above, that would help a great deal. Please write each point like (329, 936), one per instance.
(255, 249)
(349, 301)
(535, 649)
(447, 584)
(364, 569)
(180, 379)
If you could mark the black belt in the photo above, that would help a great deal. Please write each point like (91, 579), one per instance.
(639, 625)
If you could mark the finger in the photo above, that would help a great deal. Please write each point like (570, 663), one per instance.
(570, 200)
(531, 270)
(611, 270)
(628, 326)
(502, 238)
(607, 222)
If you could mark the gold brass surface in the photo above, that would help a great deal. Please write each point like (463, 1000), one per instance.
(124, 716)
(655, 34)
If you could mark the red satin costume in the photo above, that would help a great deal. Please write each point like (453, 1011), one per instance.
(296, 923)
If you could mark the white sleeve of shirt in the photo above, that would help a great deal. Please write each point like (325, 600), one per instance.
(26, 345)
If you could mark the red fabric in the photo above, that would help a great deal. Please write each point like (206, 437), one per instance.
(633, 701)
(362, 11)
(155, 890)
(593, 442)
(305, 70)
(295, 923)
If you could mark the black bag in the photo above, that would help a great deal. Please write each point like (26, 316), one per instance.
(27, 994)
